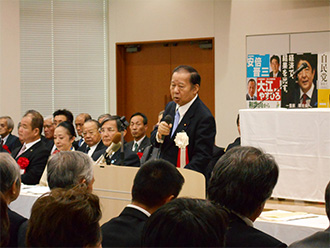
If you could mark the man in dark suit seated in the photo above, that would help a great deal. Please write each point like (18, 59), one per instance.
(138, 126)
(49, 128)
(156, 183)
(192, 119)
(32, 155)
(8, 141)
(109, 128)
(79, 123)
(242, 180)
(92, 139)
(318, 239)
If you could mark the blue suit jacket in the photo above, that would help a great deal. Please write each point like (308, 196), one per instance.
(199, 124)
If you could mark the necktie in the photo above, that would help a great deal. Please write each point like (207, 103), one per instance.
(21, 151)
(87, 149)
(304, 99)
(135, 147)
(80, 142)
(176, 122)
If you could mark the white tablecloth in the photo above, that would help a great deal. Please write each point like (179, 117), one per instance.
(299, 139)
(289, 231)
(24, 202)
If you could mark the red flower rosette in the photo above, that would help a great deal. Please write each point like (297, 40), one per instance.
(140, 154)
(23, 163)
(6, 148)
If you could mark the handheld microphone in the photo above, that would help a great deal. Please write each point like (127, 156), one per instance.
(296, 72)
(169, 120)
(115, 146)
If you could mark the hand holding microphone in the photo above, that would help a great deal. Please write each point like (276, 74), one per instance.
(115, 146)
(164, 127)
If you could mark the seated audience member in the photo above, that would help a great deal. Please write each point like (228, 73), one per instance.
(79, 122)
(151, 152)
(68, 169)
(10, 187)
(49, 132)
(101, 118)
(92, 139)
(8, 141)
(242, 180)
(186, 222)
(65, 218)
(64, 136)
(61, 115)
(318, 239)
(4, 225)
(156, 183)
(32, 155)
(237, 141)
(109, 128)
(138, 126)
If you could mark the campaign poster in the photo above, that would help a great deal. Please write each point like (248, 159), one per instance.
(299, 85)
(323, 84)
(263, 81)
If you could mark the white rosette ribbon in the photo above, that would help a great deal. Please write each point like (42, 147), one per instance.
(182, 141)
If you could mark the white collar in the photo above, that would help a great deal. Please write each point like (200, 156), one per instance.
(184, 108)
(5, 139)
(139, 208)
(245, 219)
(139, 141)
(309, 93)
(29, 145)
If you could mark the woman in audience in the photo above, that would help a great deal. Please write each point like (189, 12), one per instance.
(64, 136)
(65, 218)
(10, 183)
(186, 222)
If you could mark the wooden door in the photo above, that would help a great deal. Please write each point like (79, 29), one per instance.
(144, 72)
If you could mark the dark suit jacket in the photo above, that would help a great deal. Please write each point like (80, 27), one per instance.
(237, 142)
(145, 142)
(130, 157)
(15, 221)
(124, 230)
(12, 142)
(239, 234)
(317, 240)
(37, 156)
(248, 98)
(100, 146)
(199, 124)
(49, 144)
(278, 75)
(313, 102)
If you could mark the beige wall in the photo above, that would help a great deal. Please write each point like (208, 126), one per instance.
(229, 22)
(143, 20)
(10, 103)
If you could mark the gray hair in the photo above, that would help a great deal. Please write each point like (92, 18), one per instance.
(10, 122)
(48, 117)
(9, 172)
(68, 168)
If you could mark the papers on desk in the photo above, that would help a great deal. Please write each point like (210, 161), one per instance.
(34, 189)
(281, 215)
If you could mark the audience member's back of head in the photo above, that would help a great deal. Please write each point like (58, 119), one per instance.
(155, 181)
(65, 218)
(68, 168)
(186, 223)
(327, 200)
(4, 222)
(243, 179)
(9, 175)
